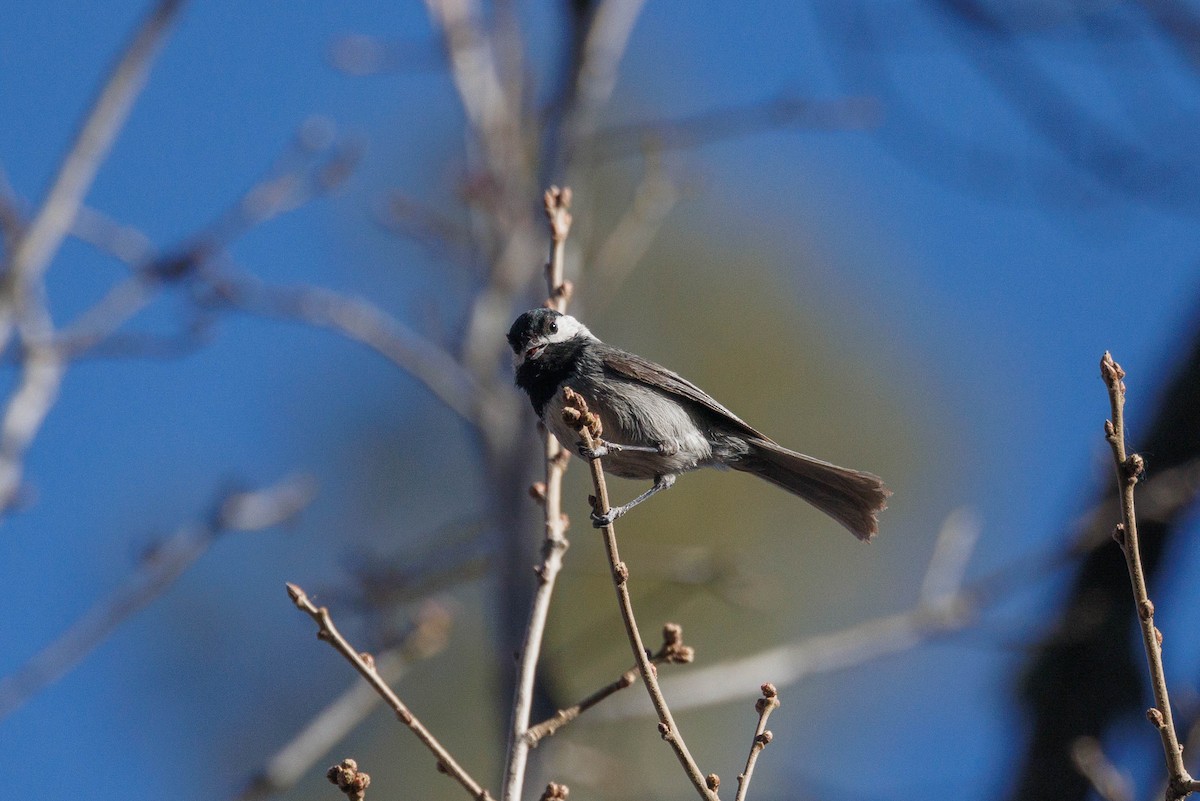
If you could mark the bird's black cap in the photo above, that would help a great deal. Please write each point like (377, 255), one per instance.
(529, 324)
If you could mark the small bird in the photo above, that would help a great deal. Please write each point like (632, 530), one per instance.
(658, 424)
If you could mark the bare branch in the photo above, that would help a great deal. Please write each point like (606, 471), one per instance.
(576, 414)
(764, 706)
(554, 546)
(42, 369)
(624, 247)
(239, 511)
(332, 724)
(728, 123)
(603, 48)
(673, 651)
(361, 321)
(1129, 468)
(37, 245)
(363, 663)
(951, 553)
(489, 109)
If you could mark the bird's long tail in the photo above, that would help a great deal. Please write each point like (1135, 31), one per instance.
(851, 497)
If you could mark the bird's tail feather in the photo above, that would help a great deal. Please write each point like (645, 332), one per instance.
(851, 497)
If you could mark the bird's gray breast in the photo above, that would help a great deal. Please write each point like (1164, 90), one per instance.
(633, 413)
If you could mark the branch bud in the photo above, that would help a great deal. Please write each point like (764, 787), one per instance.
(349, 780)
(1110, 371)
(555, 792)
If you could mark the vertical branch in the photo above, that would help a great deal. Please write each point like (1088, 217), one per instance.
(1130, 468)
(558, 203)
(588, 425)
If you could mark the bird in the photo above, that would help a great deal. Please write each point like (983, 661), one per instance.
(658, 425)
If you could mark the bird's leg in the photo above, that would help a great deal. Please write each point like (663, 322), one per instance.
(603, 448)
(660, 483)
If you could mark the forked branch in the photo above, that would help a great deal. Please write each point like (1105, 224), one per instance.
(672, 652)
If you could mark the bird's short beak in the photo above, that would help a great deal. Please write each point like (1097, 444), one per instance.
(535, 351)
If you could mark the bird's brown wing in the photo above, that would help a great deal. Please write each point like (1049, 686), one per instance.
(634, 368)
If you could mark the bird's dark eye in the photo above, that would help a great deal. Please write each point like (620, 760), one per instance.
(553, 328)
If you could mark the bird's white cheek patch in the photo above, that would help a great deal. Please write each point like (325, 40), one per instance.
(568, 328)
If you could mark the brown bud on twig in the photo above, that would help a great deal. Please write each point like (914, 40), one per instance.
(1158, 638)
(673, 650)
(1110, 371)
(537, 491)
(1146, 609)
(555, 792)
(576, 414)
(561, 458)
(1135, 468)
(769, 700)
(1155, 717)
(349, 779)
(1110, 430)
(1118, 534)
(367, 659)
(713, 782)
(563, 292)
(622, 572)
(765, 738)
(557, 203)
(665, 730)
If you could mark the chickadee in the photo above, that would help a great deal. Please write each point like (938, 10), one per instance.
(658, 424)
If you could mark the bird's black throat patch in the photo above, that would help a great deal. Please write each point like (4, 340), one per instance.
(541, 377)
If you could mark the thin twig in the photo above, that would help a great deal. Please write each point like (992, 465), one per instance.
(558, 214)
(1129, 469)
(631, 237)
(576, 414)
(673, 651)
(332, 724)
(744, 119)
(764, 706)
(361, 321)
(327, 632)
(489, 111)
(241, 511)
